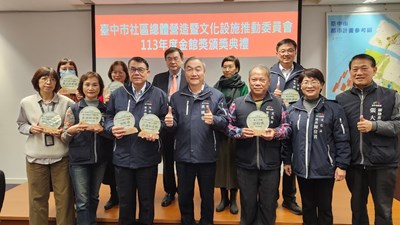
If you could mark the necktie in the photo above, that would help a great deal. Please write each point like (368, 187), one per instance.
(173, 87)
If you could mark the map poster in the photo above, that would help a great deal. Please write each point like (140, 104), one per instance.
(349, 34)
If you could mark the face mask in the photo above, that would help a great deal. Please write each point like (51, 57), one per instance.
(67, 72)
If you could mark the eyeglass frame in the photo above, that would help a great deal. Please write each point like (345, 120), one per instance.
(140, 70)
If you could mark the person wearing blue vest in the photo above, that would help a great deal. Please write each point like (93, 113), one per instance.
(258, 158)
(87, 157)
(373, 113)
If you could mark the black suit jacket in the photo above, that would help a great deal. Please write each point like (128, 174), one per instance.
(161, 81)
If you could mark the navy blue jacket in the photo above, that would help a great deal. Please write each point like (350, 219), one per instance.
(132, 151)
(319, 140)
(257, 153)
(195, 141)
(292, 82)
(379, 147)
(86, 147)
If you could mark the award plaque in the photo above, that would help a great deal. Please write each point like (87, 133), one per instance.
(113, 86)
(290, 95)
(258, 121)
(149, 125)
(90, 115)
(69, 83)
(50, 121)
(126, 120)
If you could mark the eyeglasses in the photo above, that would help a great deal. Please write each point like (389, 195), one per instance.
(47, 78)
(289, 51)
(139, 70)
(313, 83)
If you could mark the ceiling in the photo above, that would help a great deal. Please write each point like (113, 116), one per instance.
(60, 5)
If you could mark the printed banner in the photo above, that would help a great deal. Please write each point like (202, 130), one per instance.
(349, 34)
(203, 35)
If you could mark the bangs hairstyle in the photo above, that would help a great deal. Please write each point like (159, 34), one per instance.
(312, 73)
(86, 76)
(45, 71)
(231, 58)
(124, 68)
(66, 61)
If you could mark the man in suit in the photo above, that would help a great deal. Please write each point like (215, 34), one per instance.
(170, 82)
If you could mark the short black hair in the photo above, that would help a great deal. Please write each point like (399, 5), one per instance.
(140, 60)
(363, 56)
(171, 50)
(286, 41)
(231, 58)
(312, 73)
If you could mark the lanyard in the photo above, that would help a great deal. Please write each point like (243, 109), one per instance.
(41, 106)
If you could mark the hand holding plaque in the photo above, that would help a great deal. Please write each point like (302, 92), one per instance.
(258, 121)
(50, 122)
(91, 116)
(149, 125)
(69, 83)
(290, 95)
(126, 121)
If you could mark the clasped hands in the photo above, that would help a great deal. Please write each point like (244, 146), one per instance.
(268, 134)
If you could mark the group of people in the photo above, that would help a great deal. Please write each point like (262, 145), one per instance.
(205, 131)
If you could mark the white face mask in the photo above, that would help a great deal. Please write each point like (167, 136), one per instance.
(67, 72)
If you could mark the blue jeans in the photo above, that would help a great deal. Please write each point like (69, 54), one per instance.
(86, 180)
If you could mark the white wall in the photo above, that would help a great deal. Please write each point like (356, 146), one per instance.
(31, 40)
(28, 41)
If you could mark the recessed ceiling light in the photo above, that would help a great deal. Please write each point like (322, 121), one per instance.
(369, 1)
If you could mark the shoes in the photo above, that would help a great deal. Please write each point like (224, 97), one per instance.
(111, 203)
(167, 200)
(292, 207)
(224, 201)
(233, 206)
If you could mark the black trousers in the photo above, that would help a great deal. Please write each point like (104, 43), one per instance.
(316, 198)
(2, 188)
(289, 188)
(381, 183)
(258, 196)
(130, 181)
(168, 163)
(187, 173)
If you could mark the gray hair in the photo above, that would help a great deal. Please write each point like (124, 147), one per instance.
(192, 59)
